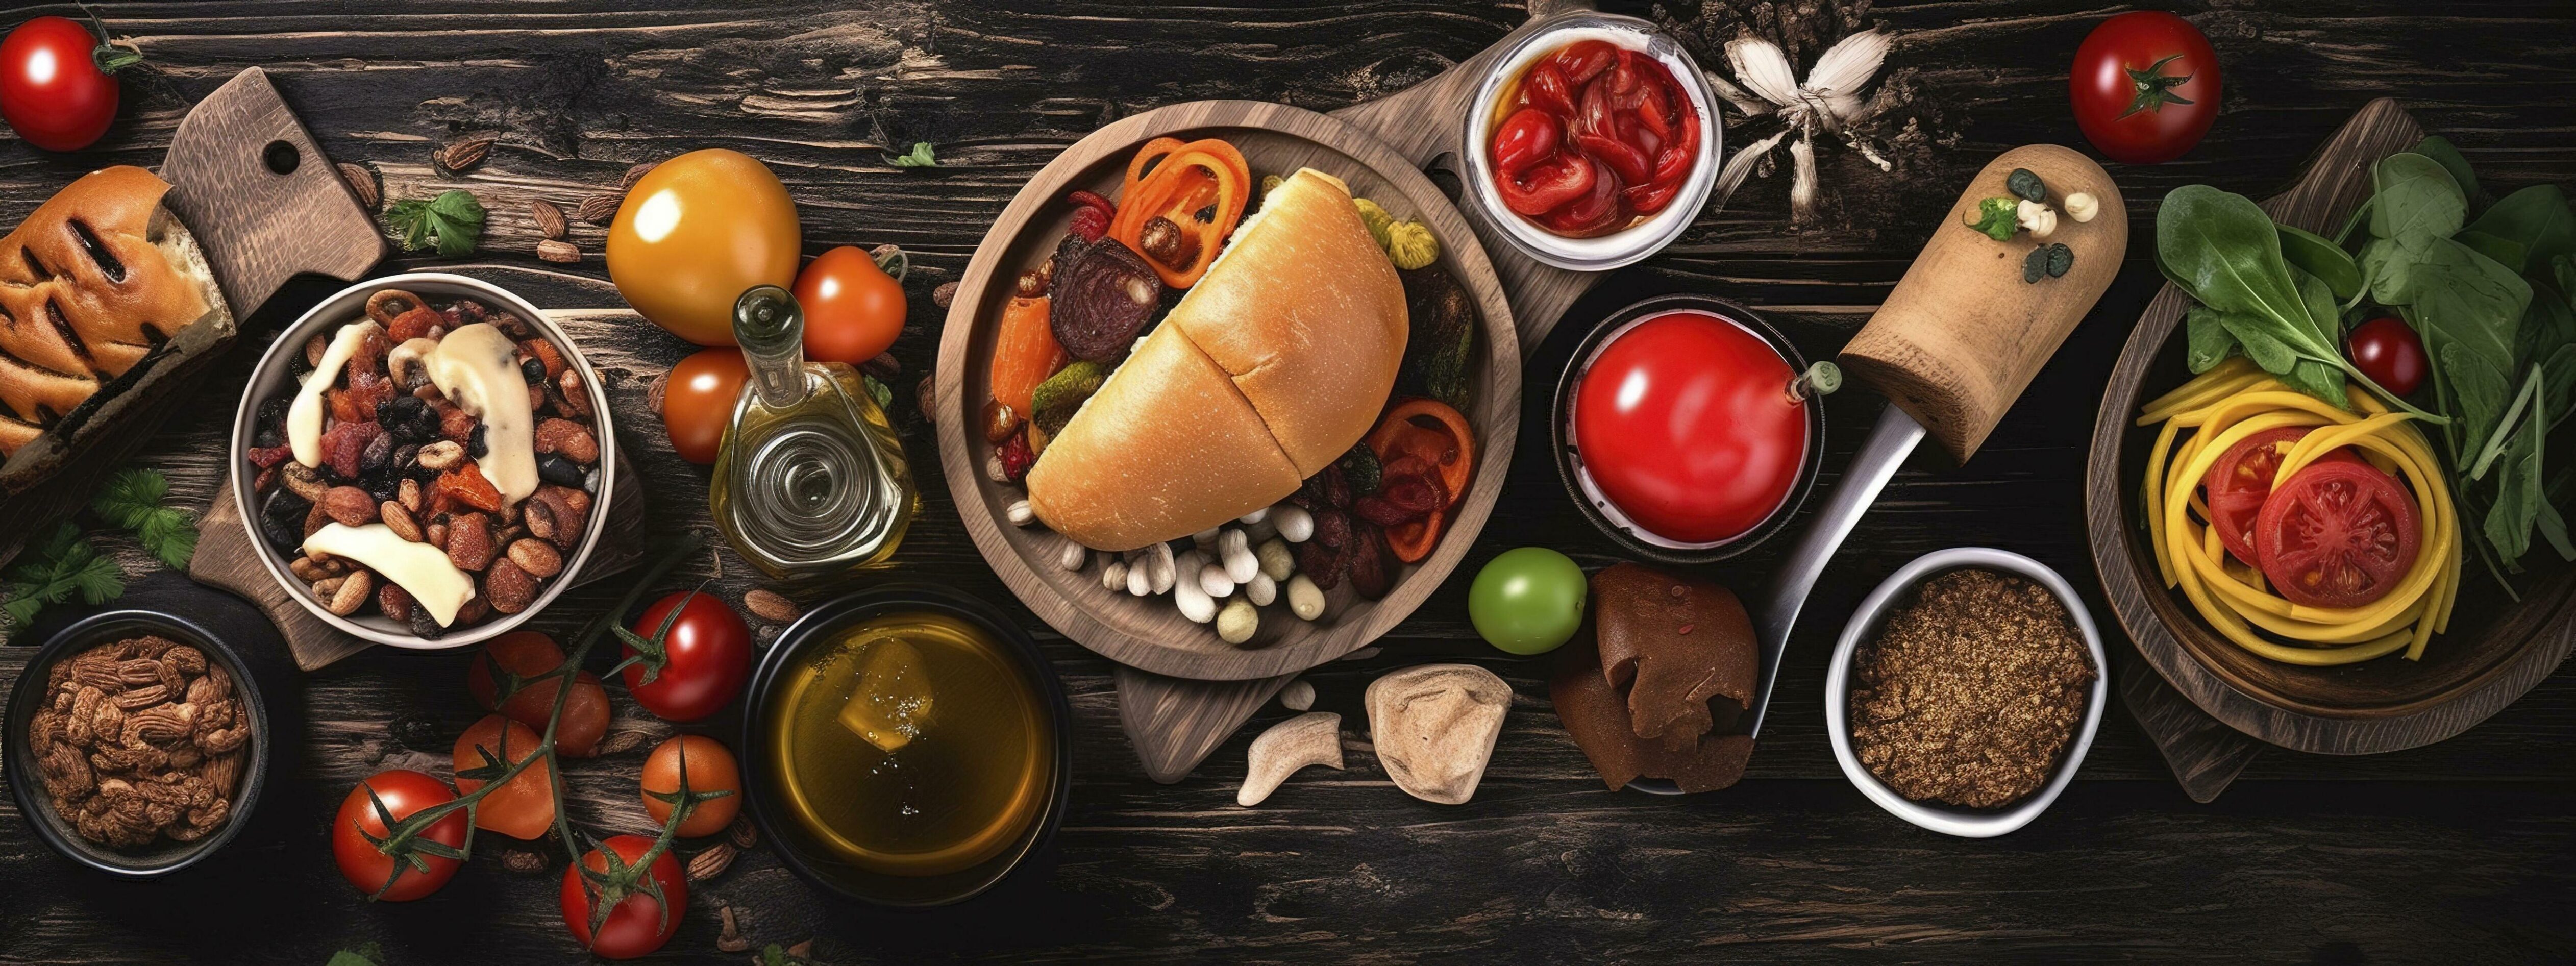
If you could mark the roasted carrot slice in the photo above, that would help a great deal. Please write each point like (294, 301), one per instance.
(1025, 354)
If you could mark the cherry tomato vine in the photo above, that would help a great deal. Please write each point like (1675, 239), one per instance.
(407, 841)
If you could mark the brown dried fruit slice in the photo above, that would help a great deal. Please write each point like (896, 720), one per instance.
(1103, 294)
(1674, 644)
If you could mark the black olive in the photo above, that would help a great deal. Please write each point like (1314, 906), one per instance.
(273, 412)
(534, 371)
(404, 454)
(384, 487)
(267, 437)
(554, 468)
(474, 442)
(282, 521)
(408, 406)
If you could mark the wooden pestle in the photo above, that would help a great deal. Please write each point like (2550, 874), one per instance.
(1962, 334)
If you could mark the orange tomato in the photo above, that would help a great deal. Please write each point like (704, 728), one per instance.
(697, 401)
(694, 233)
(529, 654)
(711, 768)
(522, 809)
(853, 309)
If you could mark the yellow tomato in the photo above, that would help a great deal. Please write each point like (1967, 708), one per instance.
(694, 233)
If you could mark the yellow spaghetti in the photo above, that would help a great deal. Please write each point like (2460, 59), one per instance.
(2235, 400)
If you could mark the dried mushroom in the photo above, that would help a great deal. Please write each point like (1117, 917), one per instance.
(1434, 726)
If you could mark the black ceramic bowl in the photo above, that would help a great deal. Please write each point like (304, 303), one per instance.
(797, 847)
(242, 653)
(1597, 508)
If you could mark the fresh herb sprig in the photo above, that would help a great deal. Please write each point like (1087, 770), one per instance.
(135, 499)
(921, 156)
(53, 569)
(453, 222)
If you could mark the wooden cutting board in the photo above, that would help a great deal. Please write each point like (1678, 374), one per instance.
(265, 205)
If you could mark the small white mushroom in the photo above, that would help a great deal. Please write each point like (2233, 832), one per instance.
(1293, 521)
(1193, 600)
(1237, 622)
(1254, 517)
(1304, 598)
(1235, 552)
(1313, 738)
(1299, 695)
(1261, 590)
(1114, 575)
(1204, 539)
(2039, 219)
(1434, 727)
(1276, 560)
(1019, 513)
(2082, 207)
(1212, 578)
(1160, 568)
(1140, 577)
(1072, 555)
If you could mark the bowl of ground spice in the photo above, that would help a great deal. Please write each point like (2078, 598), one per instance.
(1966, 690)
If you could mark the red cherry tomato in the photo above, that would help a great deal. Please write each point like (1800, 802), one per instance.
(2337, 535)
(2145, 87)
(2238, 483)
(1597, 138)
(51, 88)
(698, 398)
(528, 654)
(403, 793)
(1686, 424)
(707, 656)
(2389, 353)
(853, 309)
(636, 925)
(1527, 137)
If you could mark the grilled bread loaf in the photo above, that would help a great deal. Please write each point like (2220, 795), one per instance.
(1271, 367)
(91, 284)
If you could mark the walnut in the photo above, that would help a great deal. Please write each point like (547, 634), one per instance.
(189, 659)
(45, 728)
(84, 713)
(140, 698)
(149, 645)
(222, 740)
(161, 724)
(138, 671)
(66, 771)
(141, 739)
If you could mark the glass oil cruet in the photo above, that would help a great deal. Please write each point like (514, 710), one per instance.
(810, 478)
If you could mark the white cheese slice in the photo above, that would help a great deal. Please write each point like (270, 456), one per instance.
(304, 416)
(476, 366)
(420, 568)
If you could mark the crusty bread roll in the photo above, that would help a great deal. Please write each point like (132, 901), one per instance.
(91, 283)
(1271, 367)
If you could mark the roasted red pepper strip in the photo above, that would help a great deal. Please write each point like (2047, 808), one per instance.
(1205, 175)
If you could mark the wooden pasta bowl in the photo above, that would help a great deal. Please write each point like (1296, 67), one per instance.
(1149, 633)
(2495, 649)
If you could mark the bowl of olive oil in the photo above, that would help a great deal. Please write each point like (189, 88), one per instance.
(906, 746)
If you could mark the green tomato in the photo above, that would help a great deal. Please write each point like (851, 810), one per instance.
(1528, 600)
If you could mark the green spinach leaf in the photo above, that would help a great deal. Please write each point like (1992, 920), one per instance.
(2507, 252)
(2536, 218)
(2224, 252)
(2324, 259)
(2415, 200)
(2206, 340)
(2468, 311)
(2442, 151)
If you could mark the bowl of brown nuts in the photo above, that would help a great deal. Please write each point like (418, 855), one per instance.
(137, 741)
(424, 460)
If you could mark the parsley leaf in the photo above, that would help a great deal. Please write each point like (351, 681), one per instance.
(51, 571)
(921, 157)
(453, 222)
(133, 499)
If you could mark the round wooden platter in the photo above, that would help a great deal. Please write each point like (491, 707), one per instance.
(2496, 648)
(1148, 632)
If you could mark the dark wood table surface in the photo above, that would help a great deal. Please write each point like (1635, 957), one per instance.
(2457, 851)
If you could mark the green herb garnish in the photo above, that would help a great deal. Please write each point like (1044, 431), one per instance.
(453, 222)
(133, 499)
(51, 571)
(920, 157)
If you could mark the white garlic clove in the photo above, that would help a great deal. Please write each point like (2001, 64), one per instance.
(1114, 576)
(1212, 578)
(1193, 600)
(1019, 513)
(2082, 206)
(1295, 524)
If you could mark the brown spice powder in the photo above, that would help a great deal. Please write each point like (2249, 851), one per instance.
(1971, 692)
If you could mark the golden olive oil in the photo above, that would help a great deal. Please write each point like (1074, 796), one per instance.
(810, 478)
(911, 744)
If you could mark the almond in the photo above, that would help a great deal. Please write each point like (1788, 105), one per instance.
(400, 522)
(634, 173)
(561, 252)
(537, 557)
(568, 439)
(362, 183)
(466, 153)
(769, 605)
(352, 593)
(549, 219)
(943, 295)
(600, 209)
(469, 541)
(394, 601)
(743, 834)
(712, 862)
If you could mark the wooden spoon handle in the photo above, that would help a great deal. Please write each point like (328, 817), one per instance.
(1962, 334)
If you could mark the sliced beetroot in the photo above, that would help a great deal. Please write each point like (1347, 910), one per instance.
(1103, 296)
